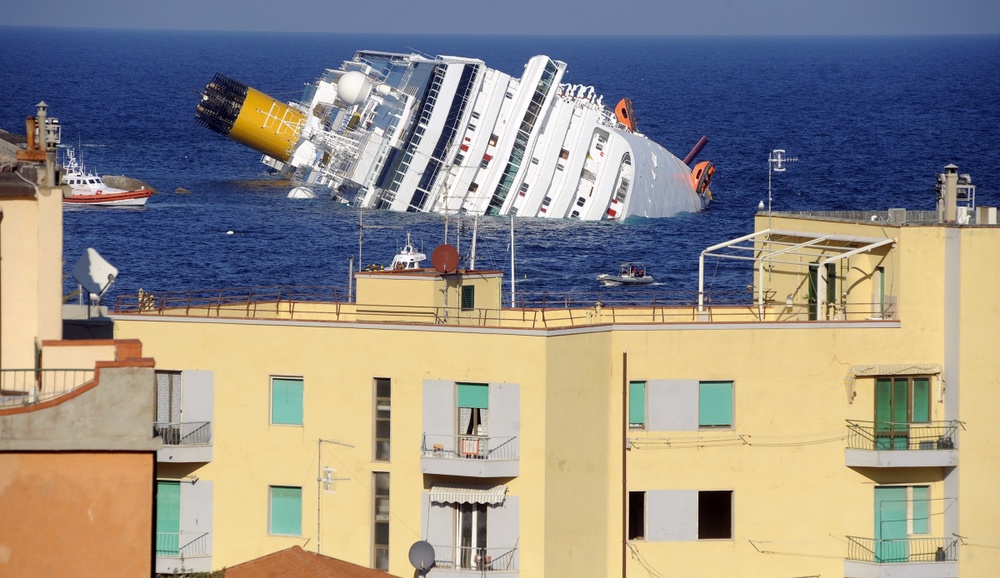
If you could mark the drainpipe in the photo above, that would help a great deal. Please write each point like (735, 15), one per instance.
(624, 461)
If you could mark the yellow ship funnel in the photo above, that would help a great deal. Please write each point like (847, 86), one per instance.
(249, 117)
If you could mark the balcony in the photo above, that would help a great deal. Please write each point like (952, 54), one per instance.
(901, 445)
(905, 558)
(183, 552)
(461, 561)
(470, 456)
(20, 387)
(184, 442)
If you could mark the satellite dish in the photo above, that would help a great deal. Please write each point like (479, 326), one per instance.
(422, 556)
(445, 258)
(94, 274)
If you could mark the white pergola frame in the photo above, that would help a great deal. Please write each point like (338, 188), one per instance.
(770, 249)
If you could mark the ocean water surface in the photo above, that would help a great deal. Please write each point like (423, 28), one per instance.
(870, 120)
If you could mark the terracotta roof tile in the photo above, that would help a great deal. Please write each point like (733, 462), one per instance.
(295, 562)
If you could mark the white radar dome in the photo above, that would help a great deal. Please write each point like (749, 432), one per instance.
(353, 87)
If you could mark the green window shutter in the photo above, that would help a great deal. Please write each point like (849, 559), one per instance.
(286, 511)
(468, 297)
(921, 399)
(637, 404)
(883, 403)
(831, 283)
(168, 518)
(813, 285)
(920, 509)
(286, 401)
(715, 403)
(474, 395)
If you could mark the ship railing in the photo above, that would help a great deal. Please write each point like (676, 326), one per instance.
(902, 550)
(901, 436)
(483, 560)
(29, 386)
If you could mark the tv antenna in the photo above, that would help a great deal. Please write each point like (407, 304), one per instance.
(422, 556)
(94, 275)
(776, 163)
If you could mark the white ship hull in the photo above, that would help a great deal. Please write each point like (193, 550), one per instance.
(406, 132)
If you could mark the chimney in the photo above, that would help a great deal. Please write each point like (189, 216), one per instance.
(950, 193)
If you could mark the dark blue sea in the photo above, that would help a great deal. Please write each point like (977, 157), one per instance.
(870, 120)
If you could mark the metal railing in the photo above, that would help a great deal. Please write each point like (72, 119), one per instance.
(888, 436)
(182, 544)
(479, 559)
(499, 448)
(191, 433)
(27, 386)
(902, 550)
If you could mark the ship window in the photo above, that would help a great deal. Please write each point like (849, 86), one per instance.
(473, 187)
(581, 201)
(574, 214)
(484, 163)
(472, 127)
(564, 154)
(524, 187)
(534, 160)
(546, 201)
(509, 95)
(493, 140)
(459, 159)
(475, 114)
(559, 167)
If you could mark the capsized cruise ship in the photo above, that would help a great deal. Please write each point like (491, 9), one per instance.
(408, 132)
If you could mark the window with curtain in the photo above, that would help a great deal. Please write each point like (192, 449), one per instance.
(715, 404)
(473, 409)
(286, 400)
(285, 515)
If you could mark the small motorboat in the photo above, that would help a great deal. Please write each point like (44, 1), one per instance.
(90, 189)
(408, 257)
(628, 274)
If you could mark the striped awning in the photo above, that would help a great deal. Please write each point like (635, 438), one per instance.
(881, 370)
(467, 494)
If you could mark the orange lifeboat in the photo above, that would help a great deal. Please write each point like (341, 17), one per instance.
(701, 178)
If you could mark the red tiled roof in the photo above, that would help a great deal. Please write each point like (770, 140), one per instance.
(295, 562)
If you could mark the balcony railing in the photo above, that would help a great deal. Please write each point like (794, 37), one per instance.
(191, 433)
(888, 436)
(907, 550)
(182, 544)
(478, 559)
(498, 448)
(27, 386)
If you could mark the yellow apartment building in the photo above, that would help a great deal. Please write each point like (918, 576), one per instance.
(836, 423)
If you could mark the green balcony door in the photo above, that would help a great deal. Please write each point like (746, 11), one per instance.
(890, 524)
(891, 414)
(168, 518)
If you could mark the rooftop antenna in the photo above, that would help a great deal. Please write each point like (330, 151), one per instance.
(776, 163)
(95, 275)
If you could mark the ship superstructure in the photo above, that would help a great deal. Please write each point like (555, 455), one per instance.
(408, 132)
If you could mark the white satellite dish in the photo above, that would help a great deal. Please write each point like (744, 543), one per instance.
(422, 556)
(94, 274)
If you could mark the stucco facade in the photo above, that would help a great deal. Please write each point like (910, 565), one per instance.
(597, 451)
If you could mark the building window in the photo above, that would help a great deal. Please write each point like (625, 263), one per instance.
(286, 400)
(468, 297)
(470, 537)
(715, 404)
(383, 413)
(919, 506)
(637, 405)
(168, 518)
(473, 417)
(167, 420)
(285, 512)
(380, 515)
(900, 511)
(636, 515)
(715, 515)
(900, 401)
